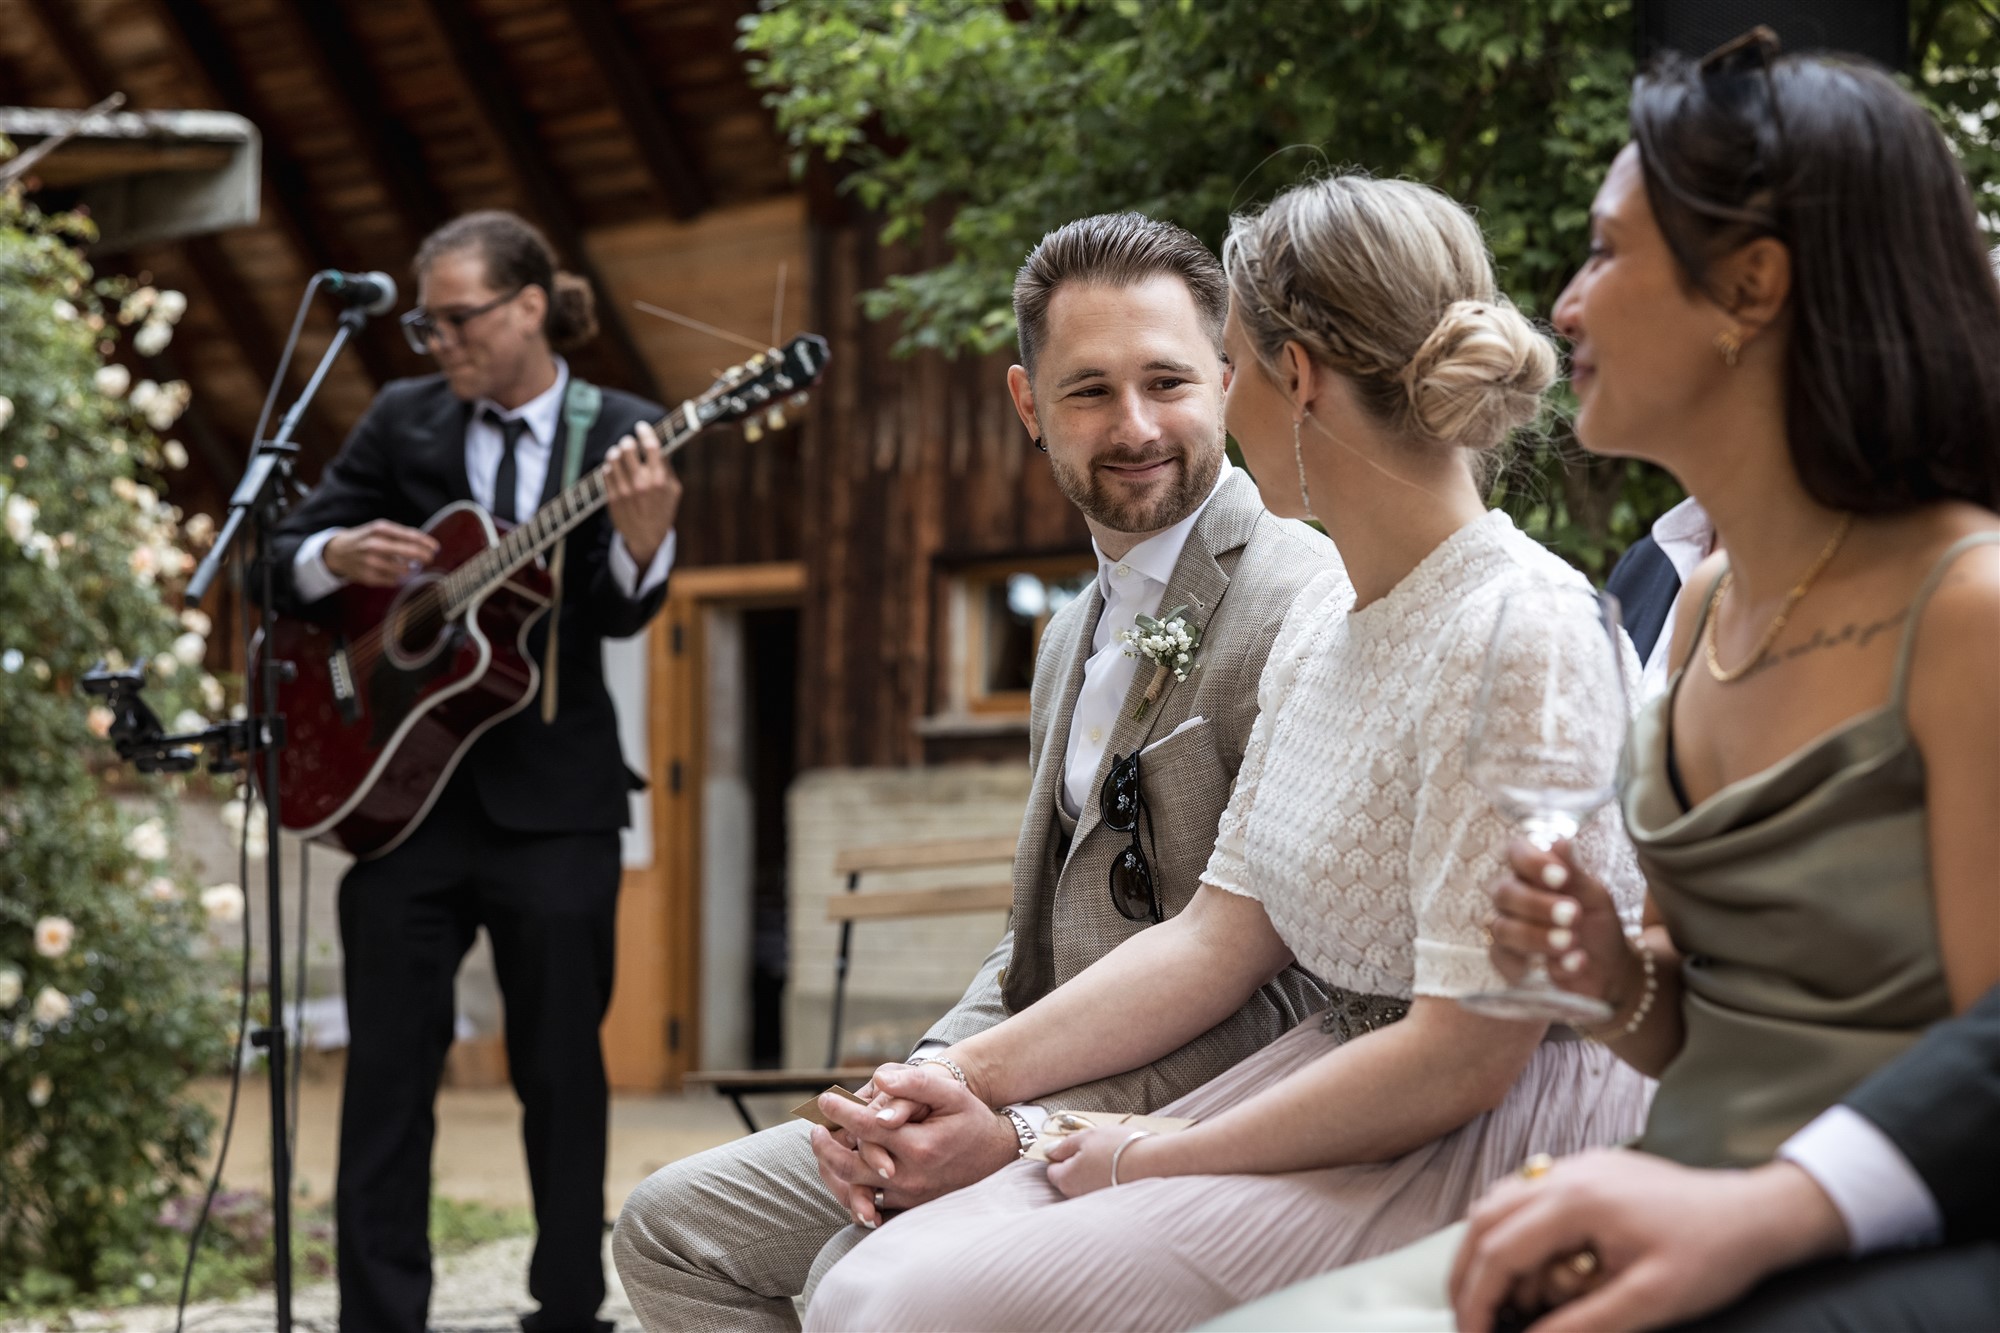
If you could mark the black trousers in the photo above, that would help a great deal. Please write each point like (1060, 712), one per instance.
(548, 903)
(1955, 1289)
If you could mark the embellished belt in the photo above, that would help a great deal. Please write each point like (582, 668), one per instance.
(1353, 1014)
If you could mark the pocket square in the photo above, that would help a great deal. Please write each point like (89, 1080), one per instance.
(1186, 726)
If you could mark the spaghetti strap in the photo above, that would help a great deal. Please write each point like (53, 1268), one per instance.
(1923, 597)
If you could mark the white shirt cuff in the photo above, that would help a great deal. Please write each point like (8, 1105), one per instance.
(311, 579)
(626, 570)
(1880, 1196)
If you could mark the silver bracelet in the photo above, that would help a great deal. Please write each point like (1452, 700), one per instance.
(950, 1065)
(1119, 1151)
(1023, 1131)
(1646, 998)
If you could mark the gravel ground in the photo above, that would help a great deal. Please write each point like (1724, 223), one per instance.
(484, 1290)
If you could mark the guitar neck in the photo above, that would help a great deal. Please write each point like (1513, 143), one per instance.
(554, 520)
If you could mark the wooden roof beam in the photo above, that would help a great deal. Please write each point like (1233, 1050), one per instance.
(341, 62)
(651, 125)
(256, 341)
(479, 64)
(204, 47)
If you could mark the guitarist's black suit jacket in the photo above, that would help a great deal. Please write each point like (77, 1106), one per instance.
(404, 461)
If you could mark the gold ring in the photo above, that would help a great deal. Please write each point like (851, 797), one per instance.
(1537, 1166)
(1583, 1263)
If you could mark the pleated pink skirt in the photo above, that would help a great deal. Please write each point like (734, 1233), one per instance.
(1010, 1253)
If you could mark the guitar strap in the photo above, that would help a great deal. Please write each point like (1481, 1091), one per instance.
(582, 401)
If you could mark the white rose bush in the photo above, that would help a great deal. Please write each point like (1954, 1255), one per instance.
(111, 996)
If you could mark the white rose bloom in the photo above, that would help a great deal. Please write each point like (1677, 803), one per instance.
(10, 986)
(152, 337)
(190, 648)
(6, 411)
(146, 498)
(143, 394)
(51, 1006)
(167, 665)
(63, 310)
(137, 306)
(148, 841)
(40, 1090)
(189, 720)
(175, 454)
(42, 547)
(19, 515)
(170, 306)
(125, 489)
(113, 381)
(211, 694)
(162, 889)
(195, 621)
(201, 529)
(54, 935)
(222, 902)
(99, 721)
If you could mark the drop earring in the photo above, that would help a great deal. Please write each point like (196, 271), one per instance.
(1729, 342)
(1299, 456)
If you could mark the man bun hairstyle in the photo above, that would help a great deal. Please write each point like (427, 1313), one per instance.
(1389, 283)
(1115, 250)
(517, 255)
(1892, 374)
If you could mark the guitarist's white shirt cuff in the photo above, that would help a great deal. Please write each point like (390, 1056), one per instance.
(626, 570)
(313, 580)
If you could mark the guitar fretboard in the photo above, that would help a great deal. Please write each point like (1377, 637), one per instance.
(485, 571)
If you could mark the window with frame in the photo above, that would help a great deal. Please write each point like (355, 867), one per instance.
(999, 612)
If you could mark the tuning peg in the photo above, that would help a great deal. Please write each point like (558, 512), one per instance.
(775, 418)
(797, 401)
(752, 431)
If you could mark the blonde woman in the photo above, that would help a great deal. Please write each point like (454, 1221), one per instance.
(1376, 364)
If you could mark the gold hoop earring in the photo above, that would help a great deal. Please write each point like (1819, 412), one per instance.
(1299, 456)
(1729, 342)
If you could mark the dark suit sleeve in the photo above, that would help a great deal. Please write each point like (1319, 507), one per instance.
(1940, 1105)
(1645, 584)
(608, 611)
(357, 487)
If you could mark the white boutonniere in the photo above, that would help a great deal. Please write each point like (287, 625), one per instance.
(1169, 643)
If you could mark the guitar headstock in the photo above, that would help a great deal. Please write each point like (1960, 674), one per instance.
(757, 392)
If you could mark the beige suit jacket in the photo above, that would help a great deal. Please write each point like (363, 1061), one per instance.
(1238, 575)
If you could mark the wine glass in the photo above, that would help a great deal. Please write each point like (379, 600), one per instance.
(1544, 744)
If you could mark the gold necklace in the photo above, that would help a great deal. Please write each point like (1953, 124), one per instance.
(1777, 626)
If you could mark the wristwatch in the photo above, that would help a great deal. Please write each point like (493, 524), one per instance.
(1022, 1130)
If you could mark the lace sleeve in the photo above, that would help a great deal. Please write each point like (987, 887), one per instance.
(1228, 867)
(1458, 841)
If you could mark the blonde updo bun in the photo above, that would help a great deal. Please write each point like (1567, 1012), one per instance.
(1480, 375)
(1389, 283)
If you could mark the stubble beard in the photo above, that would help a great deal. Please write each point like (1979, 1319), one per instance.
(1091, 492)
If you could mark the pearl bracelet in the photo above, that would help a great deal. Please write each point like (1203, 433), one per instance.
(1646, 998)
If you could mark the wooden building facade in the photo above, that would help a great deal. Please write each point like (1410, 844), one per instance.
(873, 577)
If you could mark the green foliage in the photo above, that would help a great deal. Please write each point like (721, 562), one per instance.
(109, 994)
(1010, 119)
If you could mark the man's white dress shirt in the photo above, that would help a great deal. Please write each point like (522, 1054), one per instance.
(533, 453)
(1884, 1202)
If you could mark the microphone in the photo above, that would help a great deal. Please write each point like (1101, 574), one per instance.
(370, 293)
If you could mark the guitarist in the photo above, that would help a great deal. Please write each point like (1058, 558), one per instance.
(523, 840)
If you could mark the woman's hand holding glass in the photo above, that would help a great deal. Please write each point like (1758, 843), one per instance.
(1550, 913)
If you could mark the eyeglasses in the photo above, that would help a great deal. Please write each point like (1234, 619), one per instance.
(422, 327)
(1123, 801)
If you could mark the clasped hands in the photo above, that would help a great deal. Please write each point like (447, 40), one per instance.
(919, 1133)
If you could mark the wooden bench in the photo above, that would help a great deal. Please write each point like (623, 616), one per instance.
(877, 905)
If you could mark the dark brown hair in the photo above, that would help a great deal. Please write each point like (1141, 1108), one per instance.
(517, 255)
(1118, 250)
(1893, 370)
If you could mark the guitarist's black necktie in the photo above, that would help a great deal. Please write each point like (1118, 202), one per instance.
(504, 484)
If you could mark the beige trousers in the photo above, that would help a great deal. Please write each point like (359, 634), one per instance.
(722, 1241)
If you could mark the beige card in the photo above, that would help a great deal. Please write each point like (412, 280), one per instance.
(1060, 1124)
(809, 1110)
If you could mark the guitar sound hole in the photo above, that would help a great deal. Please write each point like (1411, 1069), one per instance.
(417, 626)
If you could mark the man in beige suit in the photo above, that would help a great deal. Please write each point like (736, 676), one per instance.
(1121, 383)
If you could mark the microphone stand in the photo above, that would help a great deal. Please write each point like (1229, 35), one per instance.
(260, 499)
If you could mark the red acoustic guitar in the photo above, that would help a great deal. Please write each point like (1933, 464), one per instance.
(386, 695)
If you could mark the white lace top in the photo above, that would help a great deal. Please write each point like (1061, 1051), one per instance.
(1353, 820)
